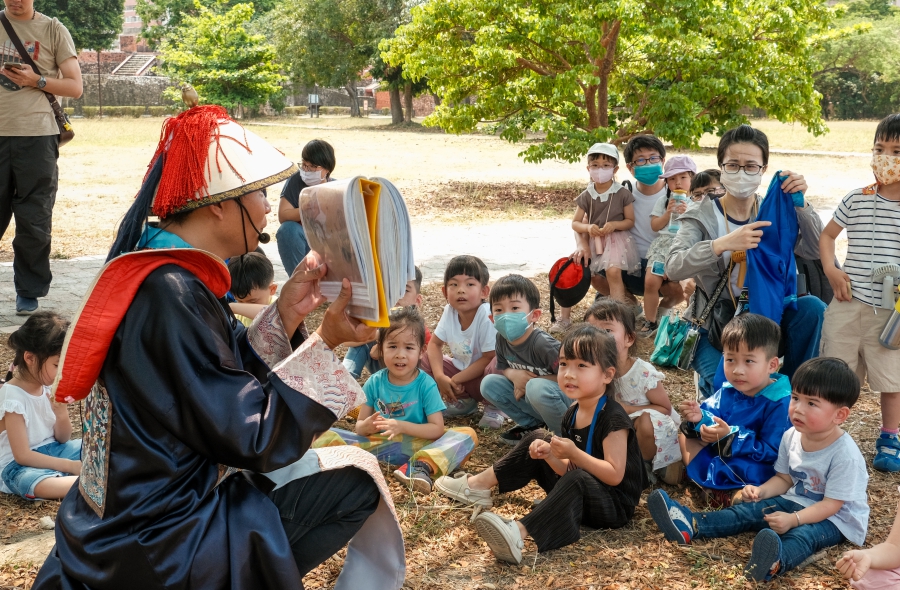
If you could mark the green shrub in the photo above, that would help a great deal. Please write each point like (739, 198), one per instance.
(89, 112)
(69, 111)
(157, 111)
(334, 110)
(386, 111)
(138, 112)
(296, 111)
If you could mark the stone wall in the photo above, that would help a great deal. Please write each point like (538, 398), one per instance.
(122, 91)
(109, 60)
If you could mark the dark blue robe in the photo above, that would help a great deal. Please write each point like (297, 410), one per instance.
(184, 393)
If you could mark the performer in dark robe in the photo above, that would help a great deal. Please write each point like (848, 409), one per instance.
(177, 389)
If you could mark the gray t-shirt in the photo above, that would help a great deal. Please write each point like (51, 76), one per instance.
(538, 354)
(838, 472)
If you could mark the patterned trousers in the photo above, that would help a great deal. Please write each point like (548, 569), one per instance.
(442, 455)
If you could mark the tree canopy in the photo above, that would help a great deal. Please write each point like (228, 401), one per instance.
(213, 52)
(330, 42)
(161, 18)
(93, 24)
(581, 71)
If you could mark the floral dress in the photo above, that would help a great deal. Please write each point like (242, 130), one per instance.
(632, 390)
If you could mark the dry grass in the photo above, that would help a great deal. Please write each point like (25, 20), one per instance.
(842, 136)
(443, 551)
(445, 178)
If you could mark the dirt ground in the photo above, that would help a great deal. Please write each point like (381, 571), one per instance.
(445, 178)
(443, 551)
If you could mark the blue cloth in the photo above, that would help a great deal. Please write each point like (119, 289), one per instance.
(412, 402)
(771, 268)
(543, 402)
(761, 420)
(796, 545)
(22, 480)
(155, 238)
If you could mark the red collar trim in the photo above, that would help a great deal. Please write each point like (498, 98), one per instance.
(106, 303)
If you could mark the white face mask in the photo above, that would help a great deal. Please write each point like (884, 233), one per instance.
(601, 175)
(741, 185)
(311, 178)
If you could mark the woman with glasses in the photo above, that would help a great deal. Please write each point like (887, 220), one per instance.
(316, 167)
(715, 236)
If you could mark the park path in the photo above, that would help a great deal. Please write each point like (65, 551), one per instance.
(527, 247)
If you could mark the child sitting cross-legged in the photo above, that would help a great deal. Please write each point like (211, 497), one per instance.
(592, 474)
(731, 439)
(401, 422)
(640, 391)
(524, 386)
(817, 497)
(466, 328)
(252, 284)
(39, 459)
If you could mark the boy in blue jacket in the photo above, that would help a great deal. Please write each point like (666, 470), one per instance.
(731, 439)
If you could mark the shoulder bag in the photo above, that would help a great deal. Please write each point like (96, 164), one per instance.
(66, 133)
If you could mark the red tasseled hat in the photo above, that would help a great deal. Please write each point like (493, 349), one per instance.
(209, 158)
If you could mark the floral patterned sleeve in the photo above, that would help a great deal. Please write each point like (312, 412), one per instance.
(268, 337)
(315, 371)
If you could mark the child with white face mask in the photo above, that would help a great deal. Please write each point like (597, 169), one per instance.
(604, 212)
(715, 235)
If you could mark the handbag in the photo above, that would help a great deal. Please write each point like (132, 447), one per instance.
(669, 342)
(66, 133)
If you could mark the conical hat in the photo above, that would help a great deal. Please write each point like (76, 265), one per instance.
(209, 158)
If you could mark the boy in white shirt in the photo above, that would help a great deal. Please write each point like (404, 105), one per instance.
(817, 498)
(466, 328)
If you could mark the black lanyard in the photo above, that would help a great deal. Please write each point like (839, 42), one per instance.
(590, 442)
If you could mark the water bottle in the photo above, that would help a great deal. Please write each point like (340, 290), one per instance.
(678, 196)
(890, 336)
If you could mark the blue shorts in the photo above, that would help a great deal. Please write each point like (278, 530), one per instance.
(22, 480)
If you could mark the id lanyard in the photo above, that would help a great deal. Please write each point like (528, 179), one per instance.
(590, 441)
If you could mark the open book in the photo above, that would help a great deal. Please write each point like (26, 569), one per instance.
(361, 229)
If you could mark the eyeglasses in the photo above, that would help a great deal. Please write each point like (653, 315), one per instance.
(713, 193)
(751, 169)
(307, 167)
(644, 161)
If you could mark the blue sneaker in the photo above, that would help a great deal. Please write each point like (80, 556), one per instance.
(26, 305)
(765, 559)
(887, 453)
(674, 520)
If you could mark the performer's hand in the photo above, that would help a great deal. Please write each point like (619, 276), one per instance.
(300, 294)
(338, 327)
(854, 564)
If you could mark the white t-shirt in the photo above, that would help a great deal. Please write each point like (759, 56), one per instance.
(642, 233)
(873, 239)
(838, 472)
(39, 421)
(467, 346)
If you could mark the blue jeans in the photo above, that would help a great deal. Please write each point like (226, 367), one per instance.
(544, 402)
(797, 544)
(801, 330)
(358, 358)
(292, 244)
(22, 479)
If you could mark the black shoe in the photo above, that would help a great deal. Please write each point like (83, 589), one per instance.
(514, 435)
(647, 329)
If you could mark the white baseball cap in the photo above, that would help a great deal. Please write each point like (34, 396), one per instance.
(607, 149)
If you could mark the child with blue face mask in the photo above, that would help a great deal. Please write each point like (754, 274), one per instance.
(524, 386)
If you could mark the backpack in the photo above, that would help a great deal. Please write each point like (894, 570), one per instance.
(816, 282)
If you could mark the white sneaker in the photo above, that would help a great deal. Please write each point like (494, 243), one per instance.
(457, 488)
(502, 536)
(492, 418)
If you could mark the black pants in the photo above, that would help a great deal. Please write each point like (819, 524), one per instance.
(574, 499)
(28, 181)
(322, 512)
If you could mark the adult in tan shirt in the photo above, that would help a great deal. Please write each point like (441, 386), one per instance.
(29, 140)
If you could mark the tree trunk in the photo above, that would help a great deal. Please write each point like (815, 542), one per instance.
(437, 99)
(99, 87)
(354, 103)
(408, 102)
(396, 106)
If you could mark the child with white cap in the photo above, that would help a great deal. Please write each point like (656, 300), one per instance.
(678, 172)
(604, 212)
